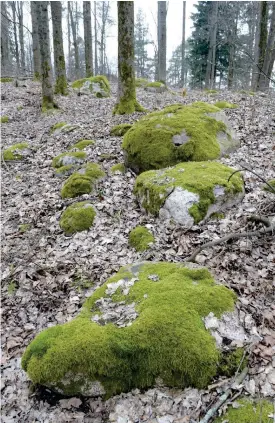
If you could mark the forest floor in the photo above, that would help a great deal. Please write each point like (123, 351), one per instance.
(47, 275)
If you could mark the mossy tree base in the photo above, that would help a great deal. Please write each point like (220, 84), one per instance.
(48, 104)
(128, 107)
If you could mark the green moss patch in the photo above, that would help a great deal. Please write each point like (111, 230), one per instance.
(4, 119)
(24, 227)
(82, 182)
(56, 126)
(6, 79)
(168, 338)
(175, 134)
(225, 105)
(249, 411)
(210, 91)
(120, 130)
(153, 187)
(141, 82)
(65, 170)
(119, 167)
(15, 151)
(77, 218)
(80, 145)
(93, 82)
(272, 183)
(66, 159)
(140, 238)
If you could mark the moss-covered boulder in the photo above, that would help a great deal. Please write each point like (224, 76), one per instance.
(155, 87)
(97, 85)
(248, 411)
(121, 129)
(140, 238)
(82, 144)
(77, 218)
(177, 134)
(225, 105)
(144, 323)
(83, 181)
(189, 192)
(66, 159)
(17, 152)
(141, 82)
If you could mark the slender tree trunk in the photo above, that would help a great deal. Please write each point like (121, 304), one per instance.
(88, 38)
(269, 52)
(13, 7)
(262, 40)
(69, 41)
(35, 43)
(59, 59)
(95, 25)
(75, 43)
(5, 42)
(21, 35)
(126, 98)
(162, 41)
(211, 59)
(232, 48)
(44, 44)
(255, 69)
(183, 44)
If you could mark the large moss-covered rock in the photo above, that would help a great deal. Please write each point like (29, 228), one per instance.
(155, 87)
(17, 152)
(189, 192)
(97, 85)
(77, 217)
(248, 411)
(83, 181)
(144, 323)
(121, 129)
(140, 238)
(176, 134)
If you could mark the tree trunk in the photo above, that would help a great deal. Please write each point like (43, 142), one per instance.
(233, 30)
(5, 42)
(162, 41)
(269, 53)
(211, 59)
(59, 59)
(75, 43)
(13, 8)
(262, 41)
(88, 38)
(183, 45)
(69, 42)
(35, 43)
(21, 35)
(95, 25)
(44, 44)
(126, 99)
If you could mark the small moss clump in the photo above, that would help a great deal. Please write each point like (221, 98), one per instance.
(7, 79)
(140, 238)
(13, 152)
(231, 361)
(249, 411)
(168, 338)
(210, 91)
(272, 183)
(57, 126)
(79, 156)
(80, 145)
(156, 84)
(225, 105)
(99, 79)
(120, 130)
(82, 182)
(141, 82)
(4, 119)
(65, 170)
(24, 227)
(77, 218)
(119, 167)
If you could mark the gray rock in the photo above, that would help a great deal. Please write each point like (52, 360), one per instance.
(177, 205)
(228, 141)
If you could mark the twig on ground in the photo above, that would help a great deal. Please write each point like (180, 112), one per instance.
(211, 413)
(261, 219)
(244, 167)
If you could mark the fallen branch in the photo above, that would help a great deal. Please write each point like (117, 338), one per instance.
(261, 219)
(213, 410)
(244, 167)
(233, 235)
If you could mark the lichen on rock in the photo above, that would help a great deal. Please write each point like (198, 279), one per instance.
(77, 217)
(189, 192)
(66, 159)
(176, 134)
(248, 410)
(16, 151)
(121, 129)
(163, 305)
(98, 85)
(140, 238)
(83, 181)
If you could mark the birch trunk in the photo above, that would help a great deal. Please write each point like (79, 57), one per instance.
(21, 36)
(183, 45)
(211, 59)
(126, 98)
(162, 41)
(44, 44)
(59, 59)
(88, 38)
(35, 43)
(269, 55)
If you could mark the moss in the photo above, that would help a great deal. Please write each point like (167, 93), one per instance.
(13, 152)
(225, 105)
(140, 238)
(6, 79)
(149, 143)
(82, 183)
(56, 126)
(272, 183)
(106, 156)
(120, 130)
(217, 216)
(65, 170)
(141, 82)
(19, 108)
(247, 92)
(24, 227)
(99, 79)
(4, 119)
(153, 187)
(77, 218)
(61, 86)
(249, 411)
(168, 339)
(48, 104)
(58, 162)
(119, 167)
(156, 84)
(231, 362)
(211, 91)
(80, 145)
(12, 286)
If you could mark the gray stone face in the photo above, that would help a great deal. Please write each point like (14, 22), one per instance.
(180, 139)
(156, 89)
(228, 140)
(177, 205)
(69, 160)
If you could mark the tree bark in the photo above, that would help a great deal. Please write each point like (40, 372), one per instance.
(126, 98)
(183, 45)
(75, 43)
(21, 36)
(262, 40)
(44, 44)
(162, 41)
(13, 8)
(95, 25)
(5, 42)
(233, 30)
(88, 38)
(269, 55)
(211, 59)
(35, 43)
(59, 59)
